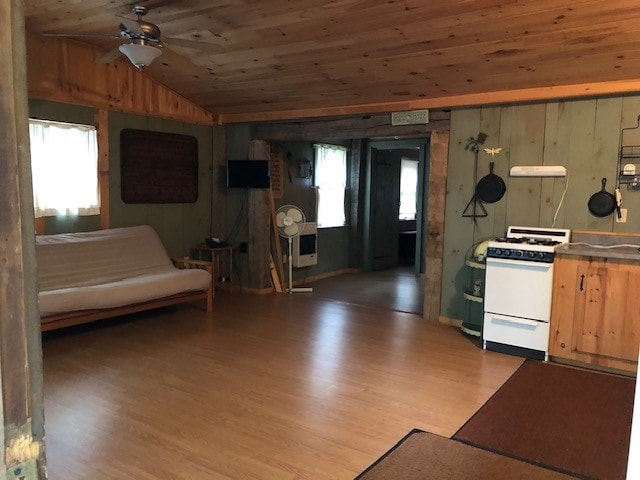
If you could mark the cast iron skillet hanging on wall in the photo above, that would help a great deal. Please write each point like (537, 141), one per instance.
(602, 203)
(491, 187)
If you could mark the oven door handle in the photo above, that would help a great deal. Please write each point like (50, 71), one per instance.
(520, 321)
(513, 261)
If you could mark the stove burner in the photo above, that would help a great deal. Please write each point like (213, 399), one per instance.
(528, 241)
(549, 243)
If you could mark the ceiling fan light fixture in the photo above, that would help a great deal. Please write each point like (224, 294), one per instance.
(139, 54)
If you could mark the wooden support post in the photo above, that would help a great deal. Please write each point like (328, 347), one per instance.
(20, 344)
(357, 174)
(259, 236)
(219, 185)
(439, 149)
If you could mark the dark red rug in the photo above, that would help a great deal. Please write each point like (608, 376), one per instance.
(573, 420)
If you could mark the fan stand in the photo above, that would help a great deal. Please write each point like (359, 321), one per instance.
(291, 289)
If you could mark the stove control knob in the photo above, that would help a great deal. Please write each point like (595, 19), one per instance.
(506, 252)
(540, 254)
(498, 252)
(531, 254)
(517, 253)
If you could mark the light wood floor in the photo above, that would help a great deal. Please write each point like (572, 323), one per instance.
(394, 289)
(265, 387)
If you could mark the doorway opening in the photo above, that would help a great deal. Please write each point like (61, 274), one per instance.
(396, 189)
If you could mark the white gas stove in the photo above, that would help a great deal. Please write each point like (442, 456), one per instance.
(518, 284)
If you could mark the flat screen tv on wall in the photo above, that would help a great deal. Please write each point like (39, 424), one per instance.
(248, 174)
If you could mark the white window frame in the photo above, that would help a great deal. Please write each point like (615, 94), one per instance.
(64, 168)
(330, 180)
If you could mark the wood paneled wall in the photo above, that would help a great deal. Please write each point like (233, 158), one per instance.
(582, 135)
(179, 225)
(66, 71)
(333, 243)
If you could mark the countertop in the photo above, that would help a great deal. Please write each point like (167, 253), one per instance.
(580, 249)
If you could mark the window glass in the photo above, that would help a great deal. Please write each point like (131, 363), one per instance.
(408, 189)
(64, 168)
(331, 181)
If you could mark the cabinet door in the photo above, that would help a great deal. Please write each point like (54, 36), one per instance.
(563, 305)
(607, 309)
(595, 314)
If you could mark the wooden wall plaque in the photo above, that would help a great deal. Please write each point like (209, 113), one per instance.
(158, 167)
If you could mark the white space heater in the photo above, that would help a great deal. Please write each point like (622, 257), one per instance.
(305, 246)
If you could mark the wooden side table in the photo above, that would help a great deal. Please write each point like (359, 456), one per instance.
(215, 261)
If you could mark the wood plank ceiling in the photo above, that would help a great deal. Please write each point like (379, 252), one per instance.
(297, 58)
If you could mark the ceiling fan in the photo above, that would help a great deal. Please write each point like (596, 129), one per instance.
(144, 40)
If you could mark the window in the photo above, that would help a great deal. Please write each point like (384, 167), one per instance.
(408, 189)
(64, 168)
(331, 179)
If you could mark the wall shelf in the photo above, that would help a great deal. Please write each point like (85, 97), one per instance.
(475, 264)
(474, 298)
(475, 295)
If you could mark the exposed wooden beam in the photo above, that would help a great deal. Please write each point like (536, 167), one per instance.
(355, 127)
(455, 101)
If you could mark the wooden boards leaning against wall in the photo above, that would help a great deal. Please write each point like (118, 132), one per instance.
(276, 191)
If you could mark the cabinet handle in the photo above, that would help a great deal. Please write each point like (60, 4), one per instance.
(581, 283)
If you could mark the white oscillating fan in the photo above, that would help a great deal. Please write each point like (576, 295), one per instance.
(290, 220)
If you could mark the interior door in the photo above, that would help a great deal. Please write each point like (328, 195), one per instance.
(385, 202)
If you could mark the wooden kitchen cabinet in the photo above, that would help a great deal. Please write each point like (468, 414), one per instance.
(595, 312)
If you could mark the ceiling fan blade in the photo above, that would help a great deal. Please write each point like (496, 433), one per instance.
(80, 35)
(180, 42)
(110, 56)
(131, 24)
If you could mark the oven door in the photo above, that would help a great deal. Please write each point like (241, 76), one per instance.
(519, 332)
(518, 288)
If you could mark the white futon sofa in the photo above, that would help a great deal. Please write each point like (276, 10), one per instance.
(89, 276)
